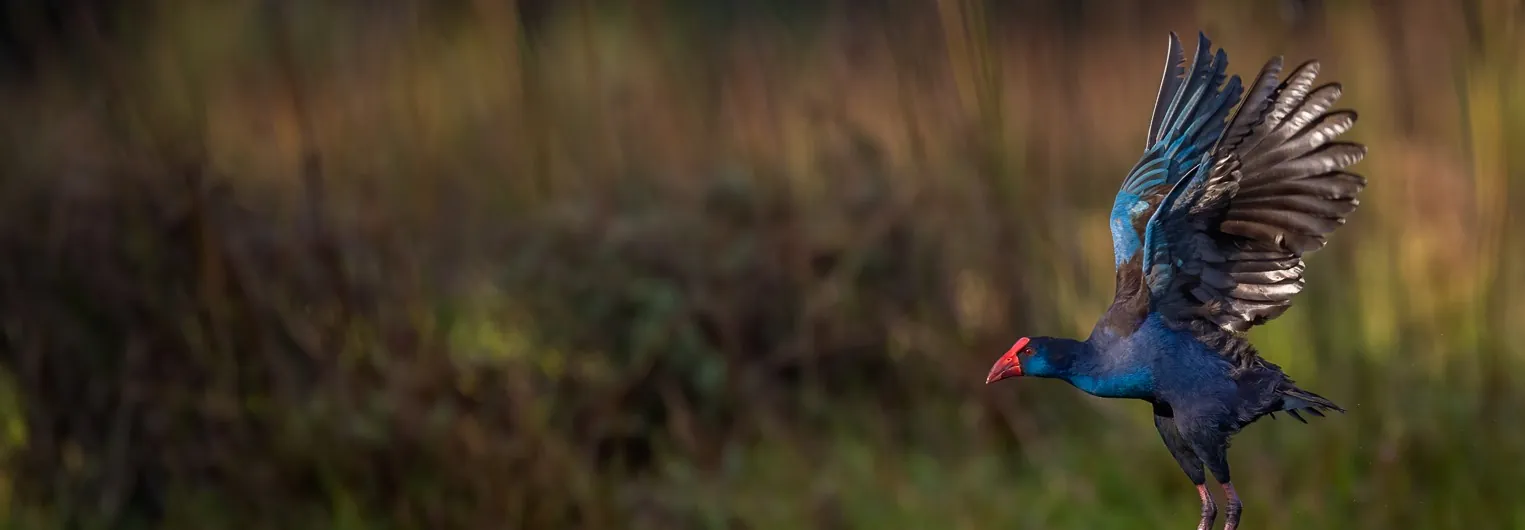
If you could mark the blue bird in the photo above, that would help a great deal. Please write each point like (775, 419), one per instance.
(1208, 234)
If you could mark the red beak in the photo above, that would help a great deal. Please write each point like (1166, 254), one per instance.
(1008, 365)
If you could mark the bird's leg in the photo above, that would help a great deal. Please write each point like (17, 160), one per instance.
(1209, 440)
(1181, 449)
(1209, 509)
(1231, 517)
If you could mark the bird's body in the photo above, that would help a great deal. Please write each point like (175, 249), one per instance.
(1209, 230)
(1175, 368)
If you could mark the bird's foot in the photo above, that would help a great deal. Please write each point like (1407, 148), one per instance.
(1209, 510)
(1231, 517)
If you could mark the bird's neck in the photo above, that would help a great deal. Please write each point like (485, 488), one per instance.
(1082, 364)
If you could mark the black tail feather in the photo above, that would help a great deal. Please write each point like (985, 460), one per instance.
(1295, 399)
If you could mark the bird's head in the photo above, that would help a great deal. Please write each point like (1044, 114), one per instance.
(1027, 357)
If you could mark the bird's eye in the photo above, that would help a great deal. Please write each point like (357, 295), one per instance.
(1028, 351)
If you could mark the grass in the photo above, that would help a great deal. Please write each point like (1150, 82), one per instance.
(625, 265)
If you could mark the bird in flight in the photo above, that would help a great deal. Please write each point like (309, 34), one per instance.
(1208, 236)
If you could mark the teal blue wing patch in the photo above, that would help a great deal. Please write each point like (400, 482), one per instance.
(1189, 115)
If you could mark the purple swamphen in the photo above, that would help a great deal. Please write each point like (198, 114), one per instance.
(1208, 234)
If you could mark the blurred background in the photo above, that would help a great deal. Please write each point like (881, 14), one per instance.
(708, 264)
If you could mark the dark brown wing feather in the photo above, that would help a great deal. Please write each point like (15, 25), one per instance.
(1231, 241)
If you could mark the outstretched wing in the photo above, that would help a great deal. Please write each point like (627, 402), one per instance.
(1226, 244)
(1189, 116)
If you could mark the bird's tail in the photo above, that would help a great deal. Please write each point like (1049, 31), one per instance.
(1294, 399)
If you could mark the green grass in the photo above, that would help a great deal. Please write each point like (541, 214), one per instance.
(639, 266)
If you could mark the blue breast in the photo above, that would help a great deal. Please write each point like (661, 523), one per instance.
(1179, 362)
(1137, 382)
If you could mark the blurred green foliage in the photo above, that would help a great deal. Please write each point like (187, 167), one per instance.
(676, 264)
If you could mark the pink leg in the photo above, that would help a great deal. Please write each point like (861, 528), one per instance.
(1209, 510)
(1231, 518)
